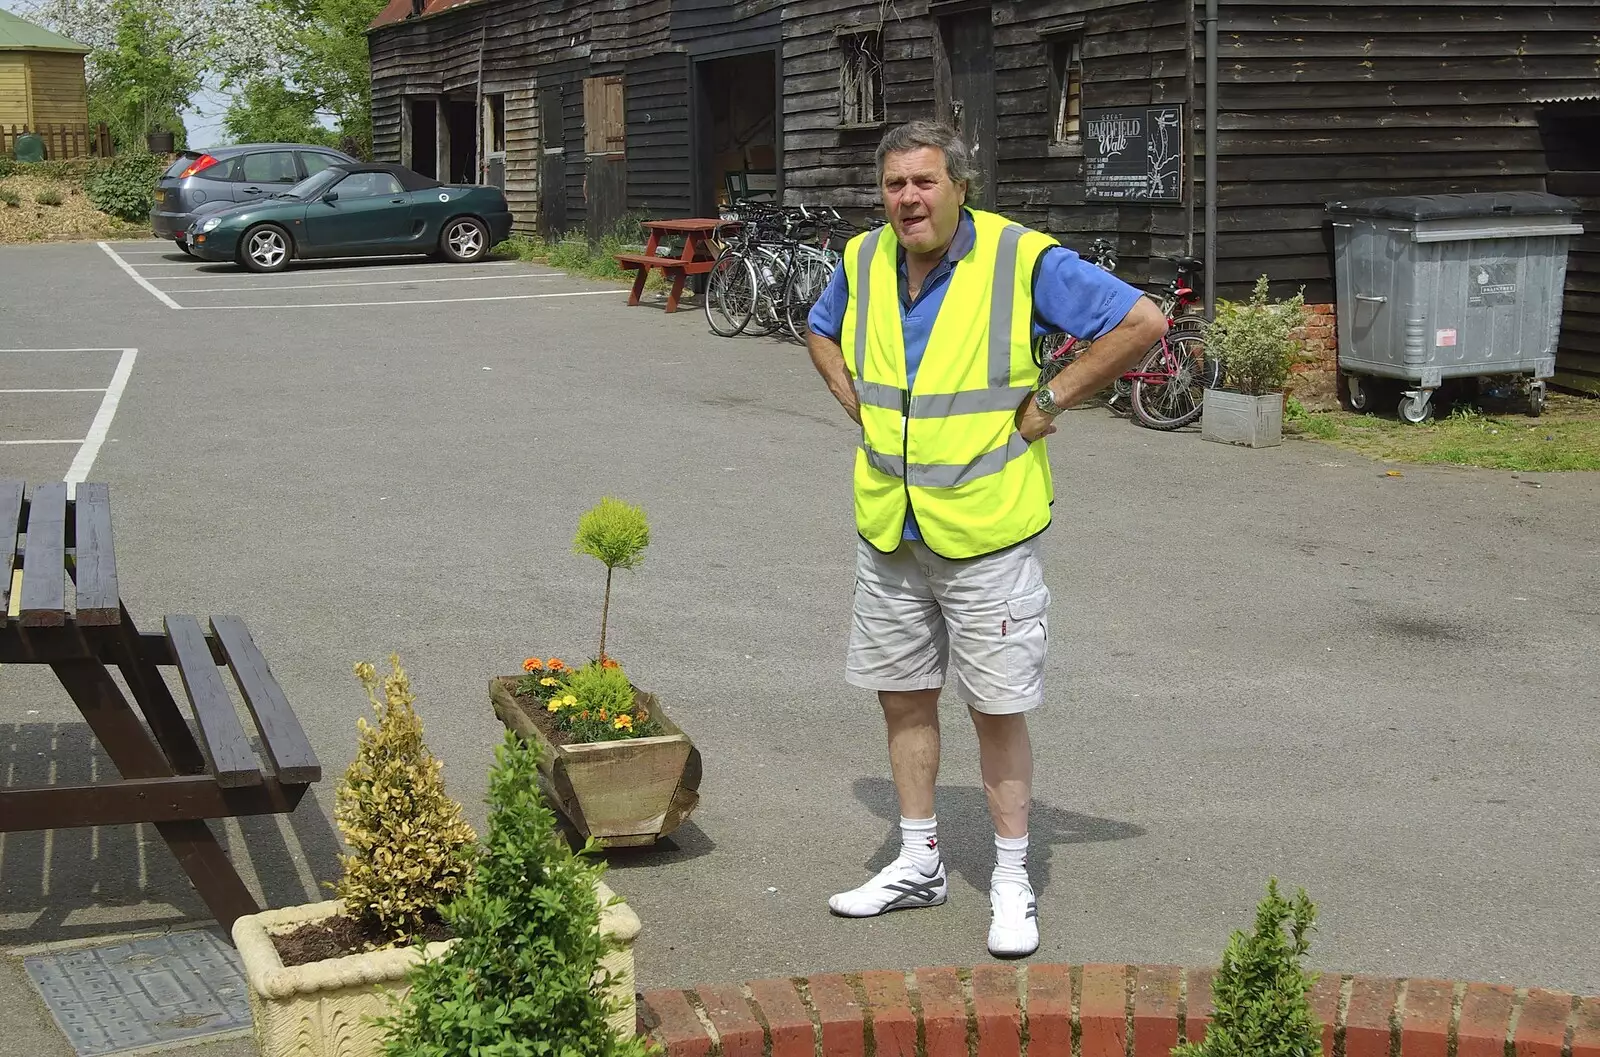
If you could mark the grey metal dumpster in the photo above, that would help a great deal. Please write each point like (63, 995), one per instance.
(1432, 287)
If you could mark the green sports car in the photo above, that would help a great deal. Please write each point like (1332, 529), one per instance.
(353, 210)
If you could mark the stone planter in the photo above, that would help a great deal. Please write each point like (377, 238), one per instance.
(325, 1009)
(1241, 418)
(622, 793)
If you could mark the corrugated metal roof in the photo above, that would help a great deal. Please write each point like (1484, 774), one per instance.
(19, 35)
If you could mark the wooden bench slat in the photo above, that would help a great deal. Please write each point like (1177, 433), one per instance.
(222, 735)
(99, 603)
(10, 525)
(644, 260)
(286, 742)
(44, 561)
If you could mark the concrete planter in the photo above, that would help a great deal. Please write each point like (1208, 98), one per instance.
(325, 1009)
(1242, 418)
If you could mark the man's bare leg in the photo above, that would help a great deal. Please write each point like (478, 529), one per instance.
(1005, 756)
(916, 878)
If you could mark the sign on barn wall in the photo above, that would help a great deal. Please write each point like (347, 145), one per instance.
(1133, 153)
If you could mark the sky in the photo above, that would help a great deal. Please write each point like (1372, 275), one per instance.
(203, 119)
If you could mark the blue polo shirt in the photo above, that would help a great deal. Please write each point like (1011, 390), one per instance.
(1069, 295)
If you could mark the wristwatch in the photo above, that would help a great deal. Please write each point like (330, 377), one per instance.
(1045, 401)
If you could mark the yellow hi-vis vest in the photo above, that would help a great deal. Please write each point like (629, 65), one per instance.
(949, 448)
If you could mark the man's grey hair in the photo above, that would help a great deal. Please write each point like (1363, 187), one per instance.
(914, 135)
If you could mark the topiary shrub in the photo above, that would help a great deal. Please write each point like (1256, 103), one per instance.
(48, 198)
(1254, 340)
(10, 199)
(524, 977)
(1262, 1006)
(126, 187)
(412, 850)
(616, 534)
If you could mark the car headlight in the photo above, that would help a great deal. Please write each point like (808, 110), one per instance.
(211, 224)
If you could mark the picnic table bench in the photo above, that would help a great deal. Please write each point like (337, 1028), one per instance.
(168, 777)
(698, 235)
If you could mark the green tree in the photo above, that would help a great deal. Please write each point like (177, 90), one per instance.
(617, 535)
(269, 111)
(144, 75)
(524, 977)
(1263, 1008)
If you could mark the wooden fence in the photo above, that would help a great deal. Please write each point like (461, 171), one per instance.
(61, 141)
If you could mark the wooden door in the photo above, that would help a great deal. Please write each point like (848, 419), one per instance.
(552, 164)
(605, 155)
(969, 47)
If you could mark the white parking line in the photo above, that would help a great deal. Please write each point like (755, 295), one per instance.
(52, 390)
(95, 349)
(79, 441)
(101, 424)
(315, 261)
(141, 280)
(376, 282)
(391, 304)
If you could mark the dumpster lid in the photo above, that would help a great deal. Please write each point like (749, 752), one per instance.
(1446, 207)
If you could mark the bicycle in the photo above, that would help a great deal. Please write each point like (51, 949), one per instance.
(1166, 389)
(773, 272)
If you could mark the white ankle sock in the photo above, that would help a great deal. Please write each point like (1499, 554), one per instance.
(1011, 859)
(919, 842)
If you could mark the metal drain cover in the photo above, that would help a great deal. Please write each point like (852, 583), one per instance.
(144, 992)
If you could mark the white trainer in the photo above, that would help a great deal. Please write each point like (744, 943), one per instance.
(898, 886)
(1014, 928)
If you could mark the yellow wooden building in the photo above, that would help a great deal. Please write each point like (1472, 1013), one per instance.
(41, 77)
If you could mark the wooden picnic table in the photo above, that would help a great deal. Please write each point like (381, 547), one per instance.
(698, 257)
(168, 777)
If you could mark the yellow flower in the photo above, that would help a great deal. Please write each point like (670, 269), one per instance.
(547, 681)
(553, 706)
(624, 723)
(569, 700)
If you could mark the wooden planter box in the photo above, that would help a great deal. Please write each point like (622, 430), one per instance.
(325, 1009)
(622, 793)
(1240, 418)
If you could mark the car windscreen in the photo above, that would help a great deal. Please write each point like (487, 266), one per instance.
(312, 186)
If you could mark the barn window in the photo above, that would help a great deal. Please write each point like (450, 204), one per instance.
(861, 79)
(494, 123)
(1066, 85)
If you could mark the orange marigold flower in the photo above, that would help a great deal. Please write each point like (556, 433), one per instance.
(556, 665)
(603, 716)
(584, 714)
(532, 664)
(607, 662)
(624, 723)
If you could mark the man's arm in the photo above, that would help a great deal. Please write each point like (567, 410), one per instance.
(1121, 324)
(827, 355)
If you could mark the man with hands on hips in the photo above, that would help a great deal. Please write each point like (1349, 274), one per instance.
(925, 336)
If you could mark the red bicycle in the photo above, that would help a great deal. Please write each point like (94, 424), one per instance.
(1167, 388)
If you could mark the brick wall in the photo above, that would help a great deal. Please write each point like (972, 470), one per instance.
(998, 1010)
(1318, 338)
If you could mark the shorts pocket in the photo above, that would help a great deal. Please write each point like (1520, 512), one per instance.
(1022, 643)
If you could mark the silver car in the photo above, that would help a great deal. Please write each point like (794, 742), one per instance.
(231, 174)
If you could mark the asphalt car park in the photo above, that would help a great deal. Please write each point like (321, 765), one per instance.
(183, 283)
(1277, 662)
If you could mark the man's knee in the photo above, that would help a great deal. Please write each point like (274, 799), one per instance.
(910, 706)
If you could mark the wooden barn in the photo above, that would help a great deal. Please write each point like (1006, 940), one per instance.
(1090, 117)
(42, 87)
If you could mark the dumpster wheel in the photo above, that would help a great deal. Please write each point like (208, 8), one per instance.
(1536, 400)
(1416, 407)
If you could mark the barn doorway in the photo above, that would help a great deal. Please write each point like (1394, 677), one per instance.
(738, 131)
(461, 121)
(423, 158)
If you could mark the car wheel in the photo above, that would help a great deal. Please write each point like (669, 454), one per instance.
(183, 246)
(464, 240)
(266, 248)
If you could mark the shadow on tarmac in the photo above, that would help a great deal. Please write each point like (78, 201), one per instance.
(966, 833)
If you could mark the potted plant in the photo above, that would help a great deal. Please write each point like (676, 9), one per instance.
(616, 765)
(1254, 343)
(318, 974)
(534, 970)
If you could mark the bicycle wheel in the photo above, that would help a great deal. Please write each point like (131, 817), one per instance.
(768, 270)
(730, 294)
(807, 280)
(1169, 392)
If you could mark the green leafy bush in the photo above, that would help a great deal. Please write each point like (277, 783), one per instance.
(524, 977)
(617, 535)
(126, 187)
(412, 849)
(1254, 340)
(10, 199)
(1261, 992)
(48, 198)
